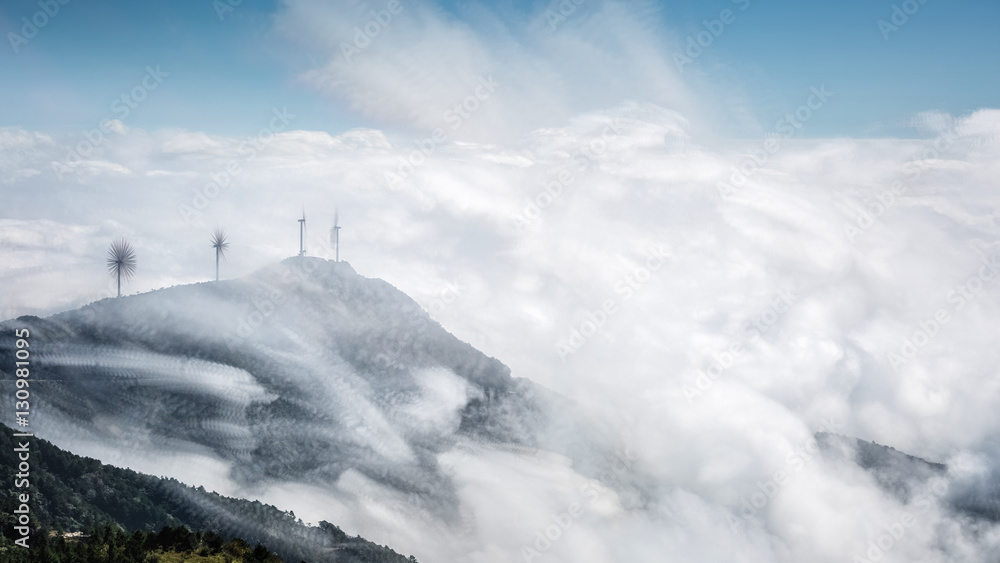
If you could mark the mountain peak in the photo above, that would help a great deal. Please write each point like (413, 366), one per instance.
(300, 371)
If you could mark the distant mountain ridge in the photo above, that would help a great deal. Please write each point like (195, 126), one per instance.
(895, 472)
(902, 475)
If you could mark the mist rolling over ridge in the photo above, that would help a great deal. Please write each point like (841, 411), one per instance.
(328, 393)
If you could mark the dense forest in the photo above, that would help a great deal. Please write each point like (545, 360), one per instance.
(112, 544)
(71, 494)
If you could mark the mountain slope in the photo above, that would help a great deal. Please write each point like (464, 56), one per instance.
(894, 471)
(301, 372)
(72, 493)
(975, 494)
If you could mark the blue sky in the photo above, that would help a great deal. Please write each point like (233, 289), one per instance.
(226, 75)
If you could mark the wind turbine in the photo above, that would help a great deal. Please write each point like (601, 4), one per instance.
(220, 244)
(121, 261)
(302, 233)
(335, 235)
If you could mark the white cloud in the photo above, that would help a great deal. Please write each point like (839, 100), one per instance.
(525, 223)
(516, 293)
(413, 70)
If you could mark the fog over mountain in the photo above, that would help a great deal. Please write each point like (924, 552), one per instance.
(792, 305)
(304, 376)
(338, 397)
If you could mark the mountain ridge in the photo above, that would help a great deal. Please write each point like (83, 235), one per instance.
(301, 371)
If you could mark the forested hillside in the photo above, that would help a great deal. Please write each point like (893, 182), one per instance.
(108, 543)
(73, 494)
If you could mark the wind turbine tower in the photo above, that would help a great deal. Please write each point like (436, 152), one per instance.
(302, 234)
(335, 235)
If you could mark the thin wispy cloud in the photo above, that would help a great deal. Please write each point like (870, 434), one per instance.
(419, 69)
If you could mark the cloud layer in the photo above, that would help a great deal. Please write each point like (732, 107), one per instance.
(728, 327)
(719, 301)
